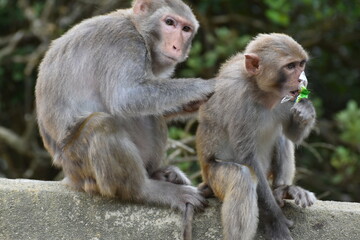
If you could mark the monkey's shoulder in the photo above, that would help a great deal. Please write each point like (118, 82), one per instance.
(104, 29)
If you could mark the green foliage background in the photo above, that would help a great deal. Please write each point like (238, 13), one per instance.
(328, 162)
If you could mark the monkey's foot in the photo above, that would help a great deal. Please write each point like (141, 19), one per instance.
(171, 174)
(302, 197)
(278, 229)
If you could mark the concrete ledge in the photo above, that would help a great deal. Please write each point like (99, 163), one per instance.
(47, 210)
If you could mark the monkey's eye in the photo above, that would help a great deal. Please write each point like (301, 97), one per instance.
(302, 63)
(291, 66)
(186, 29)
(169, 22)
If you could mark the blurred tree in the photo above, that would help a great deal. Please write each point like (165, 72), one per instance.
(329, 30)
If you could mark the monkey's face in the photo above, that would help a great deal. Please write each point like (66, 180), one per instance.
(176, 34)
(293, 77)
(169, 27)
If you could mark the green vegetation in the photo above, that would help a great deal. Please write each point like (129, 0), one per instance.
(328, 162)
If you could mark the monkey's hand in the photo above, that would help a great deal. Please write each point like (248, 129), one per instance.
(171, 174)
(187, 109)
(185, 195)
(301, 121)
(301, 196)
(303, 113)
(195, 105)
(205, 190)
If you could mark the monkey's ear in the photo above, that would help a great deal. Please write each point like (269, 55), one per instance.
(252, 63)
(141, 6)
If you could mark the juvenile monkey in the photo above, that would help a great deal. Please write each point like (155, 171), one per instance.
(246, 135)
(103, 96)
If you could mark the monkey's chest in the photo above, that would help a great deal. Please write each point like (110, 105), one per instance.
(265, 141)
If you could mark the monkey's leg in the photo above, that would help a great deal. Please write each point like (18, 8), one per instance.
(235, 185)
(111, 162)
(275, 223)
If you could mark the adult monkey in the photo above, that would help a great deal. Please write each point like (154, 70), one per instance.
(246, 135)
(104, 93)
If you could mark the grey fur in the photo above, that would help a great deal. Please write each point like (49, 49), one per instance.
(102, 94)
(238, 131)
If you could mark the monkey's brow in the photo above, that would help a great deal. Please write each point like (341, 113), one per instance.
(297, 61)
(182, 20)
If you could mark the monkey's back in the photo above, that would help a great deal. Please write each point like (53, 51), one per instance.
(81, 69)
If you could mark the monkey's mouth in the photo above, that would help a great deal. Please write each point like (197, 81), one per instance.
(295, 93)
(170, 58)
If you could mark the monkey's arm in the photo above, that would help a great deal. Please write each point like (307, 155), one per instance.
(130, 87)
(298, 126)
(158, 97)
(120, 71)
(300, 122)
(283, 170)
(185, 111)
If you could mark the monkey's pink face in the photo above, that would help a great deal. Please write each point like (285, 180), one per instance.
(176, 35)
(294, 79)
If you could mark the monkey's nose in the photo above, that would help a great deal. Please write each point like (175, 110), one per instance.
(176, 48)
(176, 51)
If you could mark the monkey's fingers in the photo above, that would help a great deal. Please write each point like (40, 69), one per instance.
(177, 178)
(175, 175)
(195, 105)
(304, 109)
(205, 190)
(311, 198)
(171, 174)
(301, 196)
(204, 204)
(194, 198)
(280, 193)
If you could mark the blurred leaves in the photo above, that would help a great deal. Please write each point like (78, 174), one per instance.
(345, 162)
(278, 11)
(349, 123)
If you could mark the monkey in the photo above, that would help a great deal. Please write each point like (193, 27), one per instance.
(246, 137)
(104, 94)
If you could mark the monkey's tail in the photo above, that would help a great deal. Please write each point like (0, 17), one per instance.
(187, 221)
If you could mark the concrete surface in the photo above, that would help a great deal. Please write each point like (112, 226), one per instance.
(49, 211)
